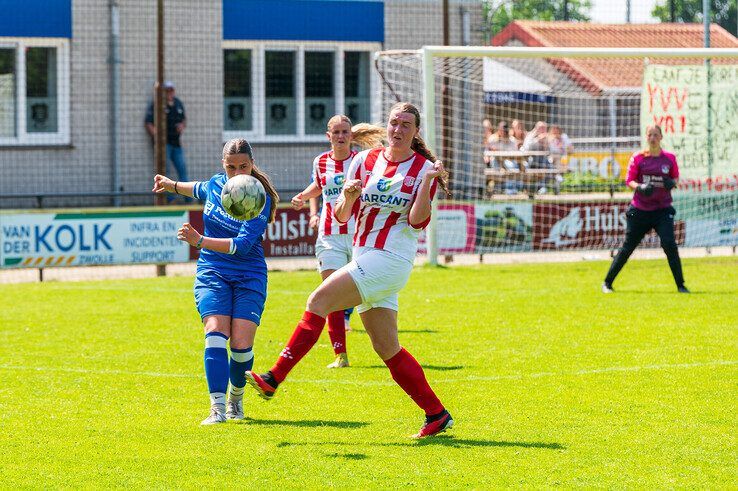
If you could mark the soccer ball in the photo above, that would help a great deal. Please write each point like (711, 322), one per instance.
(243, 197)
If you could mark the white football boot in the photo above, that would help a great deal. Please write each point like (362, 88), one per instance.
(216, 416)
(234, 410)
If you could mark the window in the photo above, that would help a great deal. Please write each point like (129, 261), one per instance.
(34, 92)
(287, 91)
(356, 85)
(237, 113)
(281, 103)
(41, 100)
(319, 100)
(7, 93)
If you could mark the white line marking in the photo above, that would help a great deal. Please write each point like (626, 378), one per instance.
(717, 363)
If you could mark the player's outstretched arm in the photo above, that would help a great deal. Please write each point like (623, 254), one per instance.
(163, 184)
(187, 233)
(310, 192)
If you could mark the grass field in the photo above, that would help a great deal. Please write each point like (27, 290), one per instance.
(551, 383)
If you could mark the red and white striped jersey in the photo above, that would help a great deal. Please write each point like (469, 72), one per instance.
(389, 190)
(330, 175)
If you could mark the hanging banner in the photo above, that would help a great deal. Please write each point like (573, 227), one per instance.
(676, 98)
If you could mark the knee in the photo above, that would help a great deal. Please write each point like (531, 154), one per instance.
(317, 303)
(213, 325)
(386, 348)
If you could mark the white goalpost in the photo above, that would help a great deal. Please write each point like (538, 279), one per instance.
(563, 188)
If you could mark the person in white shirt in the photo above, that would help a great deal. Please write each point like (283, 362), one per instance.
(393, 188)
(333, 245)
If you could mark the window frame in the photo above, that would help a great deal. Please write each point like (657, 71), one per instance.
(63, 90)
(258, 92)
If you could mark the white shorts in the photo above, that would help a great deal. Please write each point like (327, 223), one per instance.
(379, 275)
(333, 251)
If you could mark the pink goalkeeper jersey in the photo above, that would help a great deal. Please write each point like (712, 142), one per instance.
(647, 168)
(330, 175)
(388, 192)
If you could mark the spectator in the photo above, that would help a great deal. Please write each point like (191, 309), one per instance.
(176, 124)
(559, 145)
(518, 132)
(487, 127)
(537, 141)
(501, 141)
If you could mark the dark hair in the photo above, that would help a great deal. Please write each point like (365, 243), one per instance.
(239, 146)
(418, 144)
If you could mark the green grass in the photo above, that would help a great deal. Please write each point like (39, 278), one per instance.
(551, 383)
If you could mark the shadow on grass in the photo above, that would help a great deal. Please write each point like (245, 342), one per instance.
(437, 368)
(401, 331)
(348, 456)
(306, 423)
(450, 441)
(443, 440)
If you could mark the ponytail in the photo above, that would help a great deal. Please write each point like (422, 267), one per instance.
(368, 135)
(257, 174)
(419, 146)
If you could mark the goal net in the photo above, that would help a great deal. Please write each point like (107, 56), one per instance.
(538, 140)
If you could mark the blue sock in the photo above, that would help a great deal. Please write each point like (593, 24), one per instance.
(347, 313)
(216, 367)
(242, 360)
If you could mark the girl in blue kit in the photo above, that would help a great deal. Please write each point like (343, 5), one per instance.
(231, 278)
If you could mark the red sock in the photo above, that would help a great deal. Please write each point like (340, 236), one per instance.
(337, 331)
(408, 374)
(306, 334)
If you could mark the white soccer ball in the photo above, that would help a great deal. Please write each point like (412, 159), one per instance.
(243, 197)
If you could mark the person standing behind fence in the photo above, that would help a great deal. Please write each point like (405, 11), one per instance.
(176, 124)
(231, 278)
(333, 245)
(652, 174)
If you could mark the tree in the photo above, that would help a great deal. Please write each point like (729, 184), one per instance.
(722, 12)
(499, 13)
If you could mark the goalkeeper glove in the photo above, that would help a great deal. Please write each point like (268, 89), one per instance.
(645, 189)
(669, 183)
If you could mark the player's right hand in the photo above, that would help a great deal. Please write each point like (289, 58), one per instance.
(162, 184)
(352, 189)
(645, 189)
(297, 201)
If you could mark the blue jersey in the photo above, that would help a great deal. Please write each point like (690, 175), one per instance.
(247, 236)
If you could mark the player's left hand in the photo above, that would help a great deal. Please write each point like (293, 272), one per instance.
(297, 201)
(669, 183)
(438, 170)
(187, 233)
(314, 221)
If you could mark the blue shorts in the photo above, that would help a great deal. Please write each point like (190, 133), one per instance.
(235, 295)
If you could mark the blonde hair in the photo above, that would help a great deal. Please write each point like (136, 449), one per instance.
(364, 135)
(418, 144)
(239, 145)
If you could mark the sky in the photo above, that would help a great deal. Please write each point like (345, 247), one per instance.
(613, 11)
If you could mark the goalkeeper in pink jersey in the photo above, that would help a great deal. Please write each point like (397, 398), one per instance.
(393, 188)
(652, 174)
(333, 246)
